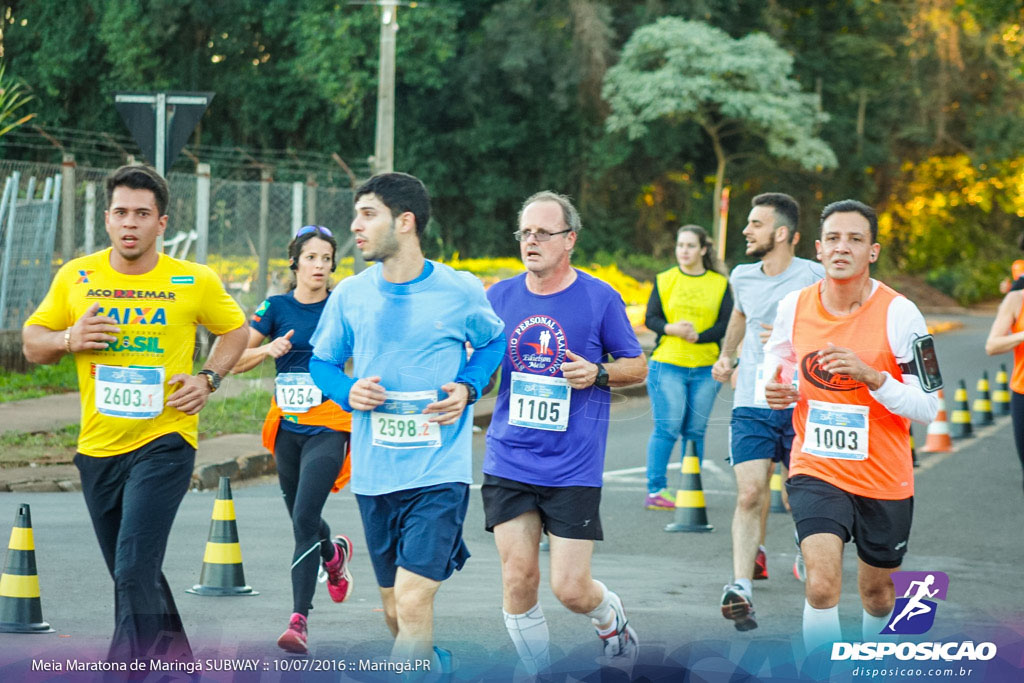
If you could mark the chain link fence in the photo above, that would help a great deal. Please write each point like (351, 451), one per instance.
(244, 233)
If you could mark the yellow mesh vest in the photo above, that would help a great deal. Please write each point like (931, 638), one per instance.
(697, 300)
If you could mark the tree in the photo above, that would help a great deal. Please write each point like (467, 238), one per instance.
(687, 71)
(13, 97)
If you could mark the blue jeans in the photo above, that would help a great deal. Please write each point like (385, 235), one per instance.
(681, 400)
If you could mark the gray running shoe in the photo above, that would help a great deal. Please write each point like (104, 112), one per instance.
(799, 568)
(622, 641)
(738, 606)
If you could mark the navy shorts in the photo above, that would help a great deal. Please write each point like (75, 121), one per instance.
(879, 528)
(419, 530)
(760, 434)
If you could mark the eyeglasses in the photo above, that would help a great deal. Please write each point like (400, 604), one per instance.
(540, 235)
(306, 229)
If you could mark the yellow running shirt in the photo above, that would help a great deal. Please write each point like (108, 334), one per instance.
(123, 396)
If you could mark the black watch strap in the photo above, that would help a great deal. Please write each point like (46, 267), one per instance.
(212, 378)
(602, 376)
(473, 395)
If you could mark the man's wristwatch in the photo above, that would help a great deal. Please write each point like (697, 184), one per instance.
(473, 395)
(212, 379)
(602, 376)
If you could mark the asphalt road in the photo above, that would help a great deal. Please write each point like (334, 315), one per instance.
(969, 523)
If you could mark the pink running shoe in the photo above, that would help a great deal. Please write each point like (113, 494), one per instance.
(339, 579)
(294, 638)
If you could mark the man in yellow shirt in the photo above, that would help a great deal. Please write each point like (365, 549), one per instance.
(129, 315)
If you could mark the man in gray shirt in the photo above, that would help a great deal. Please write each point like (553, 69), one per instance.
(758, 436)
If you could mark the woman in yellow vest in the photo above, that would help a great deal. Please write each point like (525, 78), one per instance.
(689, 310)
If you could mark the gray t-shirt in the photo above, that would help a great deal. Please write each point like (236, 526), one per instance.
(757, 297)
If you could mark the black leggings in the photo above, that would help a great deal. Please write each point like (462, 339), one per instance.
(1017, 414)
(307, 466)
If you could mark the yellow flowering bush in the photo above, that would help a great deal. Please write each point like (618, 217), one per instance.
(239, 272)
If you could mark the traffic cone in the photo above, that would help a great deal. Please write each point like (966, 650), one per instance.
(222, 573)
(937, 439)
(776, 488)
(983, 404)
(961, 422)
(691, 515)
(1001, 395)
(20, 609)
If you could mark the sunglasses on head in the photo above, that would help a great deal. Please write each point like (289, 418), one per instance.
(306, 229)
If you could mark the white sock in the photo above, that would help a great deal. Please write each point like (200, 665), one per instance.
(821, 626)
(529, 633)
(603, 613)
(871, 627)
(745, 584)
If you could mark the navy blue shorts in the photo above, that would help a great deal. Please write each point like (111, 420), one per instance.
(760, 434)
(419, 530)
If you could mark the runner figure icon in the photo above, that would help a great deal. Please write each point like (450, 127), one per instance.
(915, 606)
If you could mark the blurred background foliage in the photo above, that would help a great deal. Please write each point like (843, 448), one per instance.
(918, 102)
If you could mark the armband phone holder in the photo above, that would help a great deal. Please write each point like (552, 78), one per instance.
(926, 364)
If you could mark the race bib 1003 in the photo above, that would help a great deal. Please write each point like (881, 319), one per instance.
(539, 402)
(836, 430)
(400, 423)
(295, 392)
(135, 393)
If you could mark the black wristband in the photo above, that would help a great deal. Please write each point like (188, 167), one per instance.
(473, 395)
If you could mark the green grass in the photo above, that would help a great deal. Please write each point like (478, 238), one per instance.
(241, 414)
(43, 380)
(236, 415)
(21, 449)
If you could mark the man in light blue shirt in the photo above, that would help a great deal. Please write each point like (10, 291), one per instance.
(405, 323)
(758, 436)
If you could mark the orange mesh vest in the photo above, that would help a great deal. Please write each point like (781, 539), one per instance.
(887, 472)
(1017, 379)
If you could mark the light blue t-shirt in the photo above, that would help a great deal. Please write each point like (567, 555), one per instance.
(413, 337)
(757, 296)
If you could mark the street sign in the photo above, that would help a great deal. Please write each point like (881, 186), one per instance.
(162, 122)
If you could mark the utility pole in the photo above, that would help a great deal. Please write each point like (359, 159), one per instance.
(384, 149)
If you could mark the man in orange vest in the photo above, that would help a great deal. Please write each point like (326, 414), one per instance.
(864, 366)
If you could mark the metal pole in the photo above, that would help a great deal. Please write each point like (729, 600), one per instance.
(296, 207)
(161, 134)
(90, 217)
(263, 272)
(7, 207)
(311, 199)
(384, 149)
(202, 212)
(67, 207)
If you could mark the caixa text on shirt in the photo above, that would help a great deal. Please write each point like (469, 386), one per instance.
(151, 294)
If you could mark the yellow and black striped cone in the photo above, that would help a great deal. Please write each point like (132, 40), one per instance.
(983, 404)
(1001, 394)
(691, 515)
(776, 487)
(222, 573)
(960, 420)
(20, 608)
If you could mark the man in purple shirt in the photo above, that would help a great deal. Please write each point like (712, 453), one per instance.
(545, 445)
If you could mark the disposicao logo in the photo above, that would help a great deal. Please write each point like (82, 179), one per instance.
(913, 614)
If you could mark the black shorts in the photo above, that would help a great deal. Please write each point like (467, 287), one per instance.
(565, 511)
(879, 528)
